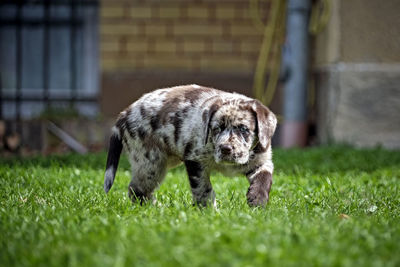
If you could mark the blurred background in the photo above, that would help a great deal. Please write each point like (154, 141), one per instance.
(330, 69)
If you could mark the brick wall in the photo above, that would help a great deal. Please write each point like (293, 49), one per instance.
(190, 35)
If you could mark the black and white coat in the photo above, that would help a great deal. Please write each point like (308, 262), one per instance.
(206, 129)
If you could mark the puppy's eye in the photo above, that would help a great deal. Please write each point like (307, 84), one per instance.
(243, 129)
(219, 128)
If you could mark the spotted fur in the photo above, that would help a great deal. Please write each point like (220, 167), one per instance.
(205, 128)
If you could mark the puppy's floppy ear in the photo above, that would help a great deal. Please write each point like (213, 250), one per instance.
(266, 123)
(207, 117)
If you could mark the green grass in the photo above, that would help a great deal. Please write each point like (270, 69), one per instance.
(53, 212)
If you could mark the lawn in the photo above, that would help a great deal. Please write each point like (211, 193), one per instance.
(329, 206)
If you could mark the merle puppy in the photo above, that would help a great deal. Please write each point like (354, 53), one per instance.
(204, 128)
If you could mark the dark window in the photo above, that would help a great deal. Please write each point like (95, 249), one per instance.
(48, 57)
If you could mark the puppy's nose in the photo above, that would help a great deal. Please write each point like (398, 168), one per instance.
(226, 149)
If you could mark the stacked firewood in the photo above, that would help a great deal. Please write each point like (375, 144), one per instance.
(9, 140)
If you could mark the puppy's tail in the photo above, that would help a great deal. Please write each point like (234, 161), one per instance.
(114, 152)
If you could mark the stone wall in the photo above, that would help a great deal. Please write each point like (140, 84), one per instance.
(360, 105)
(357, 69)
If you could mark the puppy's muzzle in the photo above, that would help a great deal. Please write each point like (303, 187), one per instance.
(226, 150)
(228, 154)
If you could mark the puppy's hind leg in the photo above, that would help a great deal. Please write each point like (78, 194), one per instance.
(147, 175)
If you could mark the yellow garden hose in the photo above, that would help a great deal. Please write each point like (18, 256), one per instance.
(268, 43)
(269, 59)
(320, 15)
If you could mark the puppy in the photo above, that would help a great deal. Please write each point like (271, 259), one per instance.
(204, 128)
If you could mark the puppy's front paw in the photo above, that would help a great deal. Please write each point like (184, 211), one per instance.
(257, 197)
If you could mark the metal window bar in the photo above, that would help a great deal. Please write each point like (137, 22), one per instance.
(18, 56)
(47, 22)
(46, 53)
(73, 53)
(1, 97)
